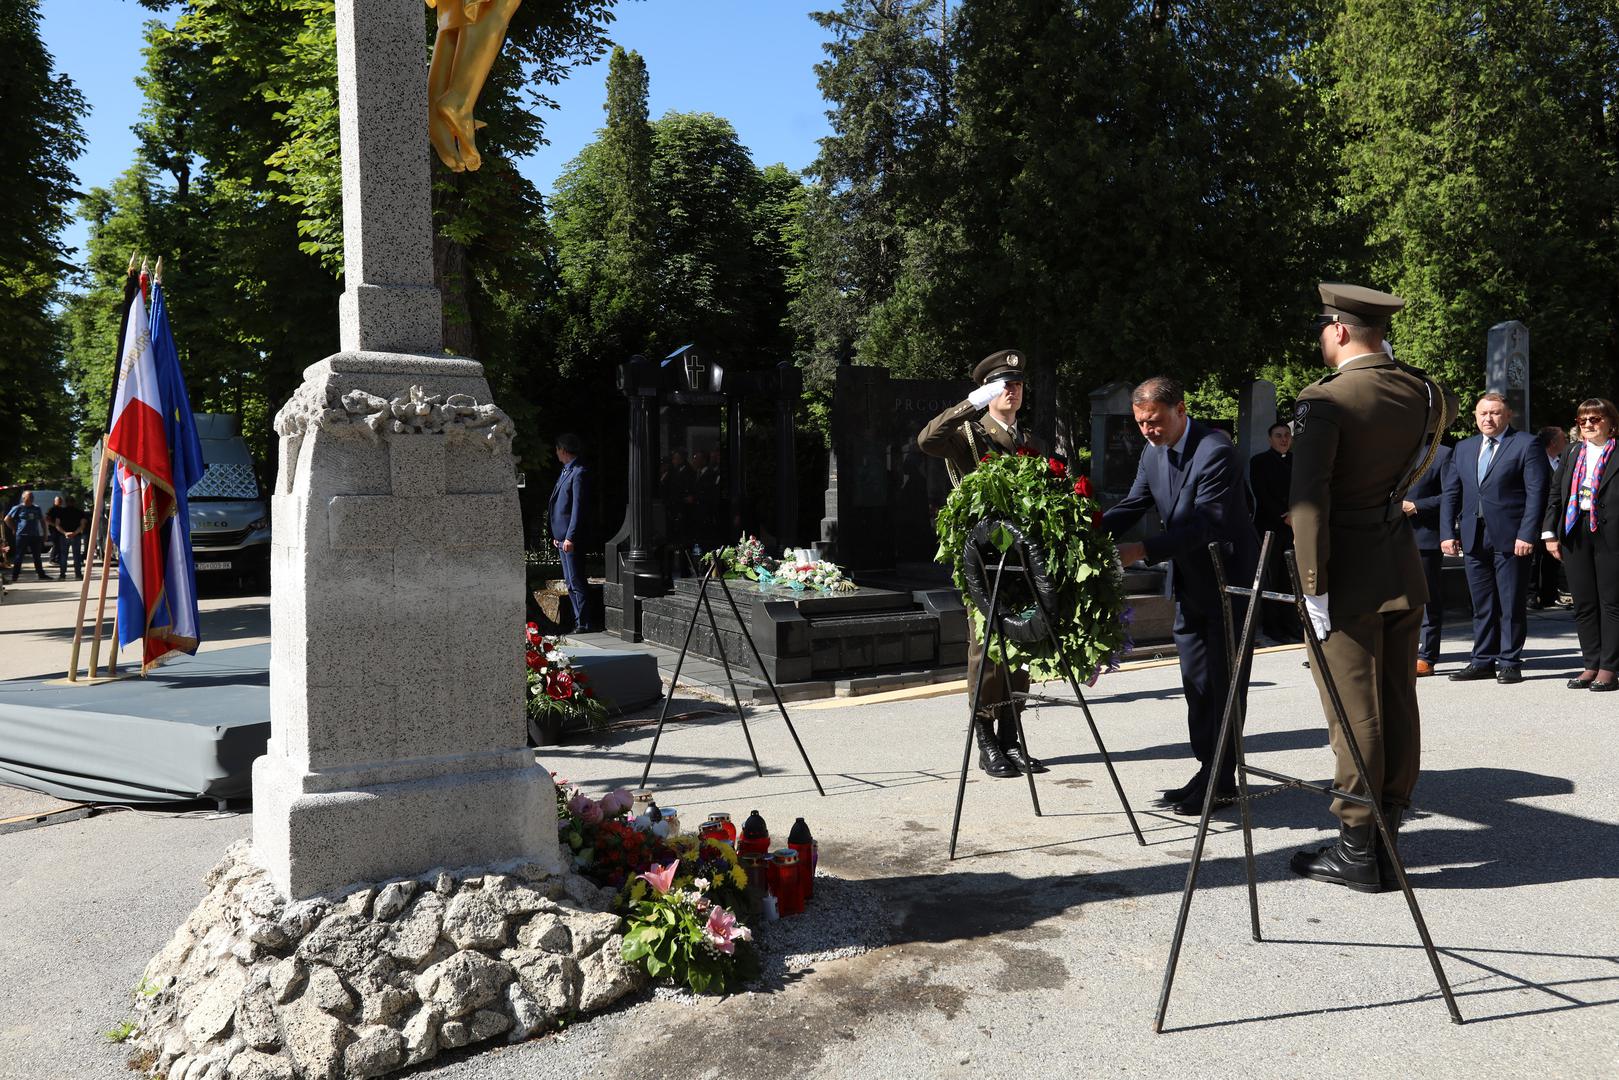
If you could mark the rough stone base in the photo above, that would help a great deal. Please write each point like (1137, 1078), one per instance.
(377, 977)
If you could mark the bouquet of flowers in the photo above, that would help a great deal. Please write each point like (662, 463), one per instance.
(685, 935)
(795, 570)
(557, 691)
(1060, 515)
(680, 895)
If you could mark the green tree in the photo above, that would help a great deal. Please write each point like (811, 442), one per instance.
(43, 137)
(887, 79)
(1482, 152)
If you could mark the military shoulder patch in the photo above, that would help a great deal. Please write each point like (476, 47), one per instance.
(1301, 413)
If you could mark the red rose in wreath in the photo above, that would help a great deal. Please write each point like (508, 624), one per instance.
(1024, 451)
(1058, 467)
(1082, 487)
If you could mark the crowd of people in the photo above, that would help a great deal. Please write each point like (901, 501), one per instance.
(29, 530)
(1361, 487)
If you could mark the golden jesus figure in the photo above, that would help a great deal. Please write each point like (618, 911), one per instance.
(470, 33)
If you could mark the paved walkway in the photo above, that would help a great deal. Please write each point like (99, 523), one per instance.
(1040, 951)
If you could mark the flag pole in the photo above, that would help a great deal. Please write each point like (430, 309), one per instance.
(84, 586)
(130, 285)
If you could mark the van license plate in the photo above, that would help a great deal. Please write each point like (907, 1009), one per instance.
(213, 566)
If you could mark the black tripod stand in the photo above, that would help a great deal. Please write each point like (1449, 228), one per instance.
(703, 605)
(1240, 652)
(994, 623)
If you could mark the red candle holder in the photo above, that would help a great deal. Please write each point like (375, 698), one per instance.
(724, 821)
(786, 884)
(755, 835)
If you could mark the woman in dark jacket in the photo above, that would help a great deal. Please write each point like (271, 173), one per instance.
(1581, 528)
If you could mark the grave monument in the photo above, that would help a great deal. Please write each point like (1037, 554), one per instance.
(403, 891)
(1506, 369)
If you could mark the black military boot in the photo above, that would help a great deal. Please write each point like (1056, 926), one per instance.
(991, 758)
(1350, 862)
(1006, 735)
(1385, 865)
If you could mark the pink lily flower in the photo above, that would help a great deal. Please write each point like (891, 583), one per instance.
(660, 877)
(722, 931)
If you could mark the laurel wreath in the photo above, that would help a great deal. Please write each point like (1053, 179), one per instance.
(1060, 514)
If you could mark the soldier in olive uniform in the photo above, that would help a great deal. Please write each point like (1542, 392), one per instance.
(986, 423)
(1362, 436)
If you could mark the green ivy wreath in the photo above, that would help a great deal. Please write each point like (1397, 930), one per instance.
(1060, 514)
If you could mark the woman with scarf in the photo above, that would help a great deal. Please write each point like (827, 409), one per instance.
(1581, 528)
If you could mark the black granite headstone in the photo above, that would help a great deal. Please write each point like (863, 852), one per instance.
(887, 490)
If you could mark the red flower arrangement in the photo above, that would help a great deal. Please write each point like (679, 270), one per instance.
(556, 691)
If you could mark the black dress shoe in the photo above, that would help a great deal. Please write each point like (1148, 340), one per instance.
(1473, 672)
(1581, 684)
(1193, 806)
(1510, 674)
(1604, 687)
(1350, 862)
(1171, 796)
(1023, 764)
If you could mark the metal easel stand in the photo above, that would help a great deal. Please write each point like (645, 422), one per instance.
(1231, 728)
(992, 624)
(703, 605)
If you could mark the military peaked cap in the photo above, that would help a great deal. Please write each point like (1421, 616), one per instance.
(1004, 366)
(1357, 305)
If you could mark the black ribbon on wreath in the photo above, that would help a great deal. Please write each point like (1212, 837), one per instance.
(1025, 599)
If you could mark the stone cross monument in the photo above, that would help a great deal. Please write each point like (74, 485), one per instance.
(396, 683)
(1506, 368)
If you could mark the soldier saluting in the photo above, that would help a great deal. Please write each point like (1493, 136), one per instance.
(986, 423)
(1362, 436)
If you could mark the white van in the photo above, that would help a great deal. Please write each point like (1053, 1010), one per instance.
(230, 519)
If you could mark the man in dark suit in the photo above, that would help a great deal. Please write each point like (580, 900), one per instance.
(1270, 475)
(1421, 506)
(1191, 475)
(1493, 502)
(986, 422)
(567, 514)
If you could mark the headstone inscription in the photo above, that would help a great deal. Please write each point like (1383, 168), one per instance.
(1506, 369)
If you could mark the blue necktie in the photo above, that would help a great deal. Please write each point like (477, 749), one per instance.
(1485, 457)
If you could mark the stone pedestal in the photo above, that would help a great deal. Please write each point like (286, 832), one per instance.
(398, 737)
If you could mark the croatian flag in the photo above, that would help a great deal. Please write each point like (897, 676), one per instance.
(144, 503)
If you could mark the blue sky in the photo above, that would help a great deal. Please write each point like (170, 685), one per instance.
(750, 61)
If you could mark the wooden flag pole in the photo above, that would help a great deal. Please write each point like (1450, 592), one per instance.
(101, 608)
(84, 586)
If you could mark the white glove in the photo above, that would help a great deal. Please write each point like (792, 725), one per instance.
(985, 394)
(1316, 606)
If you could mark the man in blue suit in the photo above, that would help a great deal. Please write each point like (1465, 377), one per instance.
(1191, 475)
(1495, 494)
(1422, 508)
(567, 516)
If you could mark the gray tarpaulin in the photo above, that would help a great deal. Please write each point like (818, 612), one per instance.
(190, 729)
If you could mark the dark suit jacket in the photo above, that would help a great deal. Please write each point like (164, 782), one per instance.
(566, 511)
(1606, 501)
(1207, 505)
(1271, 477)
(1511, 502)
(1428, 492)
